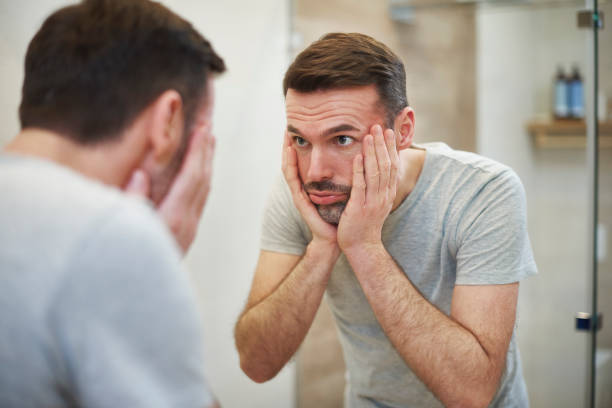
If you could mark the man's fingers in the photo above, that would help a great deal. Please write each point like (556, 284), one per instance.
(293, 179)
(284, 159)
(382, 157)
(358, 190)
(290, 170)
(284, 154)
(292, 176)
(182, 206)
(209, 153)
(195, 172)
(300, 198)
(138, 184)
(372, 175)
(393, 158)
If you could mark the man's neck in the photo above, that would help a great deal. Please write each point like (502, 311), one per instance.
(411, 164)
(106, 162)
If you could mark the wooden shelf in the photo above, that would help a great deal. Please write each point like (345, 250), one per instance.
(566, 134)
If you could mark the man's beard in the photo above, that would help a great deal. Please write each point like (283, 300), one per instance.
(330, 213)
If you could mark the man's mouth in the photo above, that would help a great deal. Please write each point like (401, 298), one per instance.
(327, 198)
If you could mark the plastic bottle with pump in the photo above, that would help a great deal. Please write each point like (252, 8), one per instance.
(576, 95)
(561, 95)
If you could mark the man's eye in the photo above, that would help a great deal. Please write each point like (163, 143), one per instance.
(345, 140)
(300, 141)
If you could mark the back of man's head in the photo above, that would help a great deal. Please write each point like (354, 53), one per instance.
(345, 60)
(94, 66)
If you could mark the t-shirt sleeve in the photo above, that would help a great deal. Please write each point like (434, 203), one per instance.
(283, 229)
(493, 246)
(126, 319)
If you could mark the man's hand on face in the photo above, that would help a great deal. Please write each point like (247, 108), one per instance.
(182, 207)
(321, 230)
(375, 181)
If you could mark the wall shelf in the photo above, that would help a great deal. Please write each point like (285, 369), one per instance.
(566, 134)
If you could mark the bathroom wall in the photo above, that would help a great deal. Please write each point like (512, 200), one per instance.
(248, 124)
(476, 76)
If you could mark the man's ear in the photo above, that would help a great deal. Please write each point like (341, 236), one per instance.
(404, 128)
(166, 126)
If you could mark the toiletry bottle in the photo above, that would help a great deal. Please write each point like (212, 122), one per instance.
(561, 95)
(576, 96)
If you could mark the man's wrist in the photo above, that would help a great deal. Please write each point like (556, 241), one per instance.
(360, 251)
(325, 251)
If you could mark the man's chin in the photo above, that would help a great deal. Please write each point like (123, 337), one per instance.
(331, 213)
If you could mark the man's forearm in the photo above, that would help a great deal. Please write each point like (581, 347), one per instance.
(445, 355)
(269, 332)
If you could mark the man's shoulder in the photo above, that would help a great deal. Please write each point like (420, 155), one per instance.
(441, 155)
(49, 203)
(59, 187)
(454, 180)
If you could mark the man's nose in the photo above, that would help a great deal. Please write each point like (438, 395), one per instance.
(320, 165)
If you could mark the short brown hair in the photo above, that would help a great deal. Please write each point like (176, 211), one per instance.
(94, 66)
(344, 60)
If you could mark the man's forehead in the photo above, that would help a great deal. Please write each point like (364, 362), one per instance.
(330, 130)
(319, 111)
(365, 97)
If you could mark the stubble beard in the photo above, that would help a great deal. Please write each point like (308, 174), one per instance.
(330, 213)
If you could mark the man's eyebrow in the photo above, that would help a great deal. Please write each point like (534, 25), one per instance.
(341, 128)
(292, 129)
(336, 129)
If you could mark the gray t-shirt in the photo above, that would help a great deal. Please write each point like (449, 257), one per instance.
(464, 223)
(95, 308)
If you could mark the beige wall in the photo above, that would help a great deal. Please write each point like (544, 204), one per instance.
(438, 50)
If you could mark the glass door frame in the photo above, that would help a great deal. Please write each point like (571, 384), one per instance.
(593, 147)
